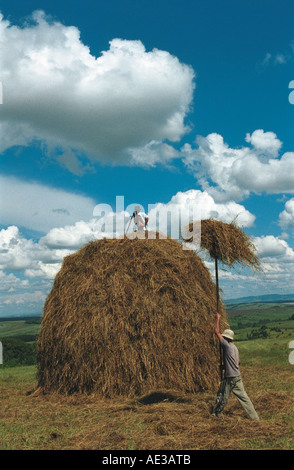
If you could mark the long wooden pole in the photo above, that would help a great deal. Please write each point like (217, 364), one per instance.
(217, 286)
(217, 307)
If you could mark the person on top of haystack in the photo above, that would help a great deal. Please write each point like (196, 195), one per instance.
(140, 219)
(232, 381)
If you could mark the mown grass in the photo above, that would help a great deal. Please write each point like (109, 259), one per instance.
(166, 420)
(163, 420)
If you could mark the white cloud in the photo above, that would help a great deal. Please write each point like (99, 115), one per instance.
(277, 260)
(152, 153)
(9, 282)
(43, 270)
(272, 247)
(20, 254)
(286, 217)
(267, 59)
(82, 232)
(34, 267)
(43, 258)
(182, 204)
(56, 92)
(265, 143)
(14, 251)
(113, 224)
(39, 207)
(233, 173)
(26, 302)
(279, 58)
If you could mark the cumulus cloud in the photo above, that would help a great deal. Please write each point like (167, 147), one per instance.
(233, 173)
(286, 217)
(203, 205)
(34, 267)
(167, 218)
(14, 251)
(43, 258)
(26, 302)
(57, 93)
(82, 232)
(42, 270)
(152, 153)
(112, 222)
(264, 143)
(40, 207)
(277, 264)
(277, 261)
(18, 253)
(9, 282)
(269, 246)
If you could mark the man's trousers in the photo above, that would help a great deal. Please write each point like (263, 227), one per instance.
(234, 385)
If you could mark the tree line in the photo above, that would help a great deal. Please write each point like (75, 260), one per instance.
(17, 352)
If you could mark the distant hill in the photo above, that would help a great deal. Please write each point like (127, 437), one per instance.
(262, 298)
(19, 317)
(228, 302)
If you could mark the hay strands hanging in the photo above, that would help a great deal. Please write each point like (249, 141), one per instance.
(225, 243)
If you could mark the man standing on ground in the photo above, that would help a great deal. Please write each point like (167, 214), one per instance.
(232, 381)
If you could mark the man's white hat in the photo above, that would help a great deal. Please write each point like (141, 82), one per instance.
(137, 208)
(228, 334)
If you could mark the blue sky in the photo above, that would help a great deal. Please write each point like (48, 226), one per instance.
(162, 102)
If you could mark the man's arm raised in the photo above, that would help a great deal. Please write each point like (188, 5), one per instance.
(216, 329)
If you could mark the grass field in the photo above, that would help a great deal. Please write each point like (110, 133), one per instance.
(163, 419)
(17, 328)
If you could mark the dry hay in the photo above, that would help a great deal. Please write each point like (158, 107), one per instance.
(226, 243)
(125, 317)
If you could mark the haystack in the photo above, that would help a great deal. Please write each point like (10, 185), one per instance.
(127, 317)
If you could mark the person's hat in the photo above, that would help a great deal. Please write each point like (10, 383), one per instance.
(137, 208)
(228, 334)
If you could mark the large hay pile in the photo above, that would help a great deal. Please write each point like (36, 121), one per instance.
(125, 317)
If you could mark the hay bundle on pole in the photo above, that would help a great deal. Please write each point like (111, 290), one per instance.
(125, 317)
(226, 242)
